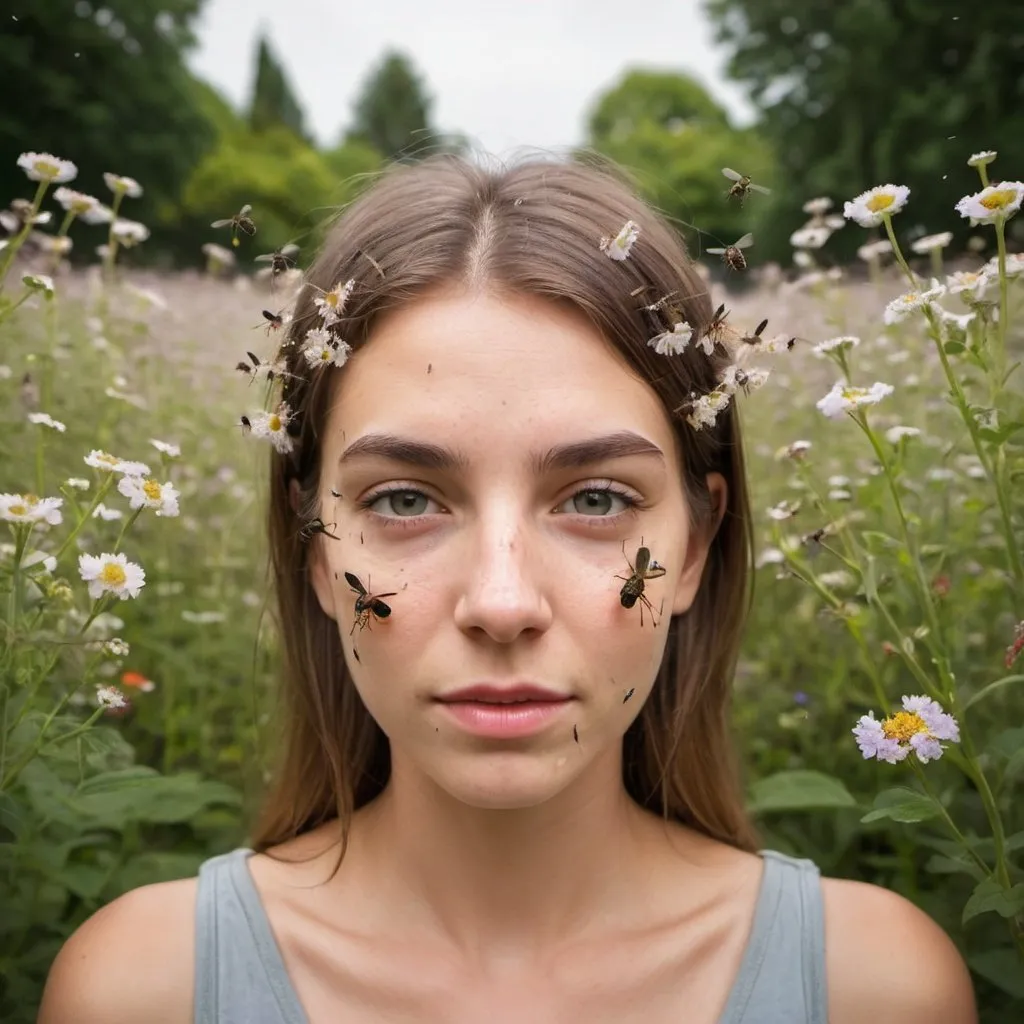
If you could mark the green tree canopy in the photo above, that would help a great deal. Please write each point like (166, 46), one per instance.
(273, 102)
(108, 89)
(873, 91)
(674, 139)
(392, 113)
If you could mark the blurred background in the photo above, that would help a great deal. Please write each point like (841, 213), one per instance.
(216, 103)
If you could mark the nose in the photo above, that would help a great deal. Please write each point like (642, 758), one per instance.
(504, 595)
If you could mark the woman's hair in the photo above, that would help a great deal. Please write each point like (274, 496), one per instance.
(530, 229)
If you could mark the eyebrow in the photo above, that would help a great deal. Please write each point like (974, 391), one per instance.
(573, 455)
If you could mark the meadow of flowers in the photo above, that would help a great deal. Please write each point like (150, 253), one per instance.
(879, 700)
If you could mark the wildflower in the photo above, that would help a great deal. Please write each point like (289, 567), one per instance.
(982, 159)
(871, 207)
(78, 483)
(322, 348)
(143, 492)
(120, 185)
(796, 451)
(674, 342)
(108, 515)
(53, 245)
(831, 344)
(874, 250)
(784, 510)
(1016, 646)
(818, 207)
(172, 451)
(111, 574)
(813, 236)
(704, 410)
(138, 681)
(74, 202)
(47, 563)
(218, 258)
(273, 426)
(116, 647)
(996, 202)
(845, 398)
(931, 242)
(129, 232)
(110, 697)
(735, 377)
(940, 474)
(972, 285)
(803, 259)
(910, 302)
(918, 728)
(1014, 265)
(27, 508)
(840, 494)
(773, 345)
(46, 167)
(618, 248)
(112, 464)
(45, 420)
(39, 283)
(332, 304)
(956, 324)
(836, 579)
(896, 434)
(770, 556)
(203, 618)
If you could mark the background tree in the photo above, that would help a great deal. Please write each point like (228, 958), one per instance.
(392, 113)
(273, 102)
(873, 91)
(674, 139)
(107, 89)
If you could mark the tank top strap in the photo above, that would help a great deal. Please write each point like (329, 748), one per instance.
(240, 975)
(782, 979)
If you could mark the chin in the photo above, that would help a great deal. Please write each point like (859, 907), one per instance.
(504, 785)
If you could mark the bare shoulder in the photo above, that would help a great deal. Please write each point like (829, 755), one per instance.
(888, 961)
(131, 961)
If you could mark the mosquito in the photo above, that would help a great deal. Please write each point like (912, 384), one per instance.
(367, 603)
(633, 589)
(241, 221)
(742, 185)
(732, 255)
(280, 260)
(315, 526)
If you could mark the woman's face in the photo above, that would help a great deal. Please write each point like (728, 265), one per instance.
(503, 551)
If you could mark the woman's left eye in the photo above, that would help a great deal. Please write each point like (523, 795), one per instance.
(596, 500)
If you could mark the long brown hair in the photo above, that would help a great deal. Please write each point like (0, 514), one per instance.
(532, 228)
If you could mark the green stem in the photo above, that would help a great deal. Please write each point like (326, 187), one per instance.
(128, 523)
(951, 825)
(897, 252)
(16, 243)
(1004, 301)
(101, 493)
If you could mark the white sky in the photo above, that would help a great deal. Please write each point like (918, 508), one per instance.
(506, 74)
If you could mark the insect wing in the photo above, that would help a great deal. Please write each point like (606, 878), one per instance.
(245, 211)
(655, 570)
(291, 250)
(222, 223)
(761, 189)
(353, 582)
(643, 559)
(267, 257)
(715, 252)
(379, 608)
(731, 174)
(742, 243)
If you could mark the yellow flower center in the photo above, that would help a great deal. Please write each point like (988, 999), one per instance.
(910, 298)
(45, 167)
(113, 575)
(325, 355)
(903, 725)
(19, 510)
(274, 423)
(999, 199)
(30, 499)
(880, 202)
(152, 490)
(109, 460)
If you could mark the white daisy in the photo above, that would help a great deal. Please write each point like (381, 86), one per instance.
(1014, 265)
(896, 434)
(803, 259)
(45, 420)
(770, 556)
(956, 324)
(322, 348)
(74, 202)
(931, 242)
(78, 483)
(871, 207)
(217, 256)
(845, 398)
(618, 248)
(674, 342)
(27, 508)
(705, 409)
(812, 236)
(117, 183)
(783, 510)
(110, 697)
(143, 492)
(910, 302)
(273, 426)
(796, 451)
(47, 563)
(831, 344)
(39, 283)
(129, 232)
(111, 574)
(874, 250)
(996, 202)
(972, 285)
(818, 207)
(172, 451)
(982, 159)
(736, 378)
(53, 245)
(332, 304)
(108, 515)
(112, 464)
(47, 167)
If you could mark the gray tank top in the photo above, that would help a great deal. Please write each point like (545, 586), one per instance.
(241, 976)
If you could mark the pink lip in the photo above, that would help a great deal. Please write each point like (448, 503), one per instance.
(492, 692)
(505, 721)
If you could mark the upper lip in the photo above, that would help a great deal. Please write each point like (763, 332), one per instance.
(498, 692)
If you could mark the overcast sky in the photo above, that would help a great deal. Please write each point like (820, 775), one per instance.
(508, 75)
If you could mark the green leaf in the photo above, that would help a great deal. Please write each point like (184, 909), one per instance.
(901, 804)
(992, 687)
(937, 864)
(990, 896)
(953, 348)
(85, 880)
(798, 791)
(12, 819)
(1002, 968)
(1007, 743)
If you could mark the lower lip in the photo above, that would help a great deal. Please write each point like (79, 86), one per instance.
(505, 721)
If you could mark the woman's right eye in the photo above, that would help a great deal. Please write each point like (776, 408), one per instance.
(400, 502)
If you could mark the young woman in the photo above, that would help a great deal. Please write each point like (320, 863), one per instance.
(504, 797)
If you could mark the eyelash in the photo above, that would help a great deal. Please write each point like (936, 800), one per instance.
(632, 502)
